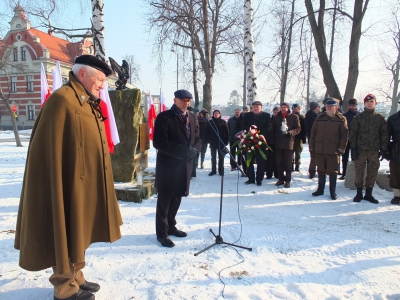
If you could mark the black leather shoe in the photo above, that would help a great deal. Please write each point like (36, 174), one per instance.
(212, 173)
(80, 295)
(249, 181)
(341, 177)
(90, 286)
(178, 233)
(166, 242)
(259, 183)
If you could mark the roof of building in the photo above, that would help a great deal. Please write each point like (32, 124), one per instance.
(60, 49)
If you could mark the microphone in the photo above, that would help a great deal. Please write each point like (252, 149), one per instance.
(192, 109)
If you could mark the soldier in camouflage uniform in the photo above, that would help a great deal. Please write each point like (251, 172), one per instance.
(368, 142)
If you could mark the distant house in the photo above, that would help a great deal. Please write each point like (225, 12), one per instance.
(30, 47)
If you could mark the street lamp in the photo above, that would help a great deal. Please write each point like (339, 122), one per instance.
(177, 68)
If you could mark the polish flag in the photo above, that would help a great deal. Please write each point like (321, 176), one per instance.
(163, 107)
(151, 117)
(57, 78)
(109, 123)
(44, 86)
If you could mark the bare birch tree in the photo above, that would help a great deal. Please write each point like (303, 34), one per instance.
(249, 54)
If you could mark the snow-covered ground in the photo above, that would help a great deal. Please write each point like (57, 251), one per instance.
(304, 247)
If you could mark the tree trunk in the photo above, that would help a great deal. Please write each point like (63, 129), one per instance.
(98, 29)
(289, 45)
(358, 15)
(395, 73)
(244, 81)
(207, 65)
(249, 52)
(283, 54)
(195, 87)
(320, 46)
(309, 74)
(332, 39)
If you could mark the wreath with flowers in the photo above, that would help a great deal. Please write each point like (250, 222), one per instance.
(251, 141)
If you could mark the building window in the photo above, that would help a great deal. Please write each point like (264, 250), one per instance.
(31, 112)
(64, 80)
(23, 53)
(15, 54)
(29, 81)
(13, 84)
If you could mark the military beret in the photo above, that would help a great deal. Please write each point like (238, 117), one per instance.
(94, 62)
(295, 105)
(257, 103)
(181, 94)
(369, 97)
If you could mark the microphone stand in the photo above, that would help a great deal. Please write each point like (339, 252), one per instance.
(218, 238)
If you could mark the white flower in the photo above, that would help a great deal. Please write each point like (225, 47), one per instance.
(249, 151)
(259, 143)
(252, 147)
(256, 135)
(251, 137)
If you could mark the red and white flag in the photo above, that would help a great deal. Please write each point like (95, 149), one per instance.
(163, 107)
(109, 123)
(57, 78)
(151, 117)
(44, 86)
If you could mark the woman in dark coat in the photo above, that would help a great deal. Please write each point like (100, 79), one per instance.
(218, 126)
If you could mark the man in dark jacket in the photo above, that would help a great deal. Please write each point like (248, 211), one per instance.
(177, 140)
(203, 123)
(349, 115)
(299, 139)
(270, 163)
(368, 142)
(217, 129)
(261, 120)
(234, 128)
(394, 155)
(309, 120)
(328, 138)
(285, 126)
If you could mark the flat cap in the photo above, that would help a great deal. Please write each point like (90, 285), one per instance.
(94, 62)
(331, 102)
(257, 103)
(313, 105)
(181, 94)
(353, 101)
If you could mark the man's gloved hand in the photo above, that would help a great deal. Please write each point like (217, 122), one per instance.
(341, 151)
(354, 154)
(191, 152)
(287, 134)
(224, 150)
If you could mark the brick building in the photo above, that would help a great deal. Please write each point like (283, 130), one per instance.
(28, 48)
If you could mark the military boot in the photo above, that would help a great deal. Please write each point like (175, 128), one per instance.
(359, 195)
(368, 196)
(321, 185)
(297, 168)
(332, 186)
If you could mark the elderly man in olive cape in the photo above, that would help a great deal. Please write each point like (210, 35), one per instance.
(68, 199)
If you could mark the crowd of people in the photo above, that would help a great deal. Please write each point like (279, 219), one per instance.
(361, 134)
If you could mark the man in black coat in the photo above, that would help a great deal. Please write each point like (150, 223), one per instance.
(203, 123)
(299, 139)
(176, 138)
(350, 115)
(261, 120)
(309, 120)
(217, 129)
(234, 127)
(393, 154)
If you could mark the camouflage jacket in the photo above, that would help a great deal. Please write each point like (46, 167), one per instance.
(368, 131)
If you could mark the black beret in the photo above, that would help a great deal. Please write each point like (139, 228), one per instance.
(181, 94)
(313, 105)
(295, 105)
(94, 62)
(246, 107)
(257, 103)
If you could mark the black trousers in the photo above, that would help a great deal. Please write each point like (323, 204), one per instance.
(259, 176)
(284, 164)
(214, 152)
(203, 152)
(167, 208)
(233, 151)
(345, 159)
